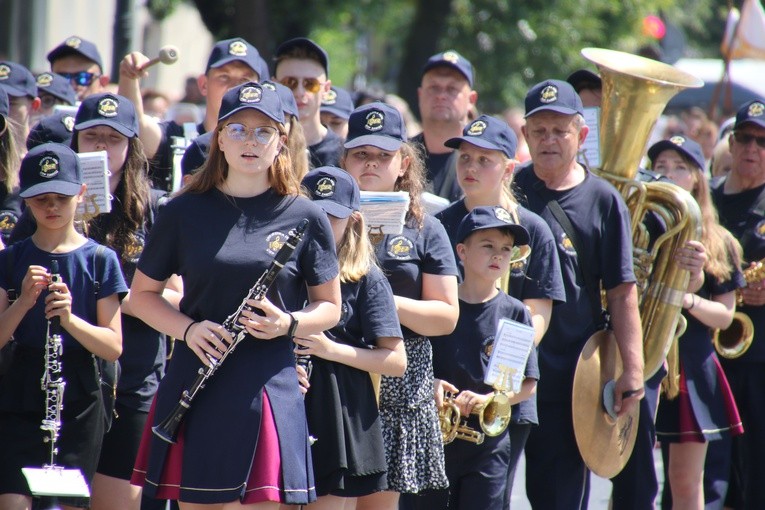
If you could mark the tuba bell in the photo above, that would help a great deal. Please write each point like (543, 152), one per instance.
(635, 92)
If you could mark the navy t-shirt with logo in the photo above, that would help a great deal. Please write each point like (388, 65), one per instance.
(462, 357)
(600, 216)
(10, 212)
(406, 256)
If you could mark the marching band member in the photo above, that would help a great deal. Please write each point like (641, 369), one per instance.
(704, 410)
(349, 457)
(245, 442)
(423, 275)
(87, 303)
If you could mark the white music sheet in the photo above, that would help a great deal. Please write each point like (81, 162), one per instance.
(513, 342)
(56, 481)
(95, 173)
(384, 211)
(589, 154)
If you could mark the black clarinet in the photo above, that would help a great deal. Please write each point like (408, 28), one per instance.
(52, 381)
(167, 430)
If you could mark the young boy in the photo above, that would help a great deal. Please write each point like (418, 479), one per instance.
(303, 66)
(485, 239)
(79, 61)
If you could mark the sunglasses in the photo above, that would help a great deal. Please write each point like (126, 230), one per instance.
(240, 133)
(83, 78)
(746, 139)
(311, 85)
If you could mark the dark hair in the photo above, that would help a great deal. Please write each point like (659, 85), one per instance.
(132, 199)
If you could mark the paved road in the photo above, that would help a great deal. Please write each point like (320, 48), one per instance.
(600, 488)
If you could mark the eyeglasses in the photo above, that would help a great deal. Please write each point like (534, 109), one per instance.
(311, 85)
(83, 78)
(746, 139)
(240, 133)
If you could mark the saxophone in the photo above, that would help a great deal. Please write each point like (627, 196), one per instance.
(733, 341)
(167, 430)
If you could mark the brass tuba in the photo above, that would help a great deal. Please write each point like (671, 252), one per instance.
(635, 92)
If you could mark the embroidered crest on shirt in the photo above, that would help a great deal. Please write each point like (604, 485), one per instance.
(133, 249)
(759, 230)
(274, 242)
(7, 222)
(566, 245)
(487, 346)
(400, 248)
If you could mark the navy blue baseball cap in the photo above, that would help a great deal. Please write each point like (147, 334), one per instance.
(17, 80)
(753, 111)
(196, 154)
(285, 95)
(107, 109)
(50, 168)
(553, 95)
(488, 133)
(57, 86)
(57, 128)
(235, 50)
(337, 101)
(304, 42)
(78, 46)
(483, 218)
(377, 124)
(334, 189)
(451, 58)
(682, 145)
(252, 95)
(581, 78)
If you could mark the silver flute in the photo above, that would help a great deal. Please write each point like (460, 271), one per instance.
(52, 381)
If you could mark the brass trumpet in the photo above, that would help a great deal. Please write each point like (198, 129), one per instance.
(733, 341)
(494, 417)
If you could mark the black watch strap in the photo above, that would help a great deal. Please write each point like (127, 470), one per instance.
(293, 326)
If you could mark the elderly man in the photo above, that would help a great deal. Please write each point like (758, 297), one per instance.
(740, 201)
(591, 224)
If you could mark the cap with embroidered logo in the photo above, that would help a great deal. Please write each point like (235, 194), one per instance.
(57, 86)
(488, 133)
(753, 111)
(337, 101)
(682, 145)
(107, 109)
(285, 95)
(50, 168)
(304, 42)
(56, 128)
(377, 124)
(254, 96)
(451, 58)
(334, 189)
(77, 46)
(17, 80)
(553, 95)
(485, 217)
(235, 50)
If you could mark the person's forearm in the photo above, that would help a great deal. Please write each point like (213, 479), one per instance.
(625, 319)
(380, 360)
(541, 311)
(428, 318)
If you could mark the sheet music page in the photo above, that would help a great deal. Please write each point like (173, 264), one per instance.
(384, 211)
(433, 203)
(589, 154)
(95, 173)
(513, 342)
(72, 110)
(56, 481)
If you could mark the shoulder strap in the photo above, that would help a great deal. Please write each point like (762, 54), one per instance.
(99, 264)
(9, 263)
(592, 286)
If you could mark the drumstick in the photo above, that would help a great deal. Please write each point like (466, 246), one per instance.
(167, 55)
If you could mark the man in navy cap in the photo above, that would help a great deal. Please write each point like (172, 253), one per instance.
(53, 89)
(231, 63)
(740, 201)
(21, 88)
(591, 224)
(79, 61)
(303, 67)
(445, 97)
(336, 108)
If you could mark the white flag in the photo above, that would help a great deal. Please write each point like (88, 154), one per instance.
(745, 32)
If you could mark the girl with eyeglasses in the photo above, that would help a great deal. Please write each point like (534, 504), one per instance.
(420, 266)
(704, 409)
(244, 442)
